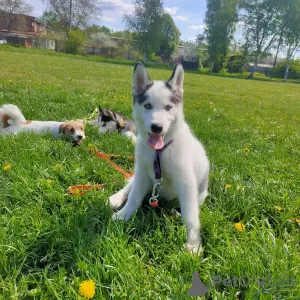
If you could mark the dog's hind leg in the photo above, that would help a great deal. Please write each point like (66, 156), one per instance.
(202, 196)
(203, 193)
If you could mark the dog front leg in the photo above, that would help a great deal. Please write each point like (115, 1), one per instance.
(117, 199)
(130, 135)
(188, 197)
(140, 186)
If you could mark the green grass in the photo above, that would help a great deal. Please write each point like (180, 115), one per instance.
(50, 241)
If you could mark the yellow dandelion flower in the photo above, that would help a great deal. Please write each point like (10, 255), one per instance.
(239, 226)
(58, 166)
(6, 167)
(90, 146)
(87, 289)
(297, 221)
(49, 181)
(246, 149)
(228, 186)
(9, 81)
(278, 208)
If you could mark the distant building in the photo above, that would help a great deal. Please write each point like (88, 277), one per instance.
(19, 23)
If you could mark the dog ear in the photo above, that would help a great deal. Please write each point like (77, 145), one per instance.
(62, 128)
(105, 112)
(176, 80)
(100, 109)
(140, 79)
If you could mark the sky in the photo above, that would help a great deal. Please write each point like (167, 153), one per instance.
(188, 15)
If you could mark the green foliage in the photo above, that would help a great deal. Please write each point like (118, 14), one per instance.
(89, 30)
(73, 14)
(263, 20)
(74, 44)
(291, 33)
(124, 34)
(236, 65)
(294, 69)
(50, 241)
(169, 36)
(155, 58)
(147, 23)
(220, 20)
(51, 19)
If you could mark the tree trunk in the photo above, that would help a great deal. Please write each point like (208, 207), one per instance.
(251, 75)
(289, 58)
(286, 74)
(277, 51)
(70, 21)
(212, 67)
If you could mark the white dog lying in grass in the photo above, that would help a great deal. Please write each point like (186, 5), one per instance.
(167, 154)
(12, 121)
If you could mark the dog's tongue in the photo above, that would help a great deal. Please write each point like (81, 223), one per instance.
(77, 143)
(155, 141)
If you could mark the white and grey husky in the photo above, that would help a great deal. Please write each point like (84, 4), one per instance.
(170, 161)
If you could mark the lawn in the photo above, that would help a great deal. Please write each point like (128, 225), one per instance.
(50, 241)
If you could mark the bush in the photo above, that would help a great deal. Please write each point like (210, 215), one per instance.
(75, 42)
(154, 58)
(236, 64)
(294, 71)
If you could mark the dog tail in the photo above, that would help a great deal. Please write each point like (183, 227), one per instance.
(10, 115)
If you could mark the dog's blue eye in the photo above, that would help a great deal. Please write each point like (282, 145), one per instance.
(168, 107)
(148, 106)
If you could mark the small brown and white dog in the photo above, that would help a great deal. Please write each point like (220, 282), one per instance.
(12, 121)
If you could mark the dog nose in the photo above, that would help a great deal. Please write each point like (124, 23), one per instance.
(79, 137)
(156, 128)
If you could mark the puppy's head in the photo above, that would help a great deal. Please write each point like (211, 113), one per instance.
(73, 130)
(157, 105)
(107, 120)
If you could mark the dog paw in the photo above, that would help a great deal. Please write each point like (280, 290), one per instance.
(116, 201)
(119, 216)
(194, 249)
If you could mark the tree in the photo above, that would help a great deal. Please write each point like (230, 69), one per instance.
(10, 10)
(51, 19)
(74, 14)
(124, 34)
(261, 26)
(146, 21)
(96, 28)
(220, 20)
(74, 44)
(169, 36)
(291, 35)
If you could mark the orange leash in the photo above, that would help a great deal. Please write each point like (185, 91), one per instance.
(77, 190)
(106, 157)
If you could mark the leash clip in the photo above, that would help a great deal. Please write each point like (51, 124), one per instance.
(155, 193)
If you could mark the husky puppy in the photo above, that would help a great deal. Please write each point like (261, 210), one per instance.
(12, 121)
(162, 130)
(112, 121)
